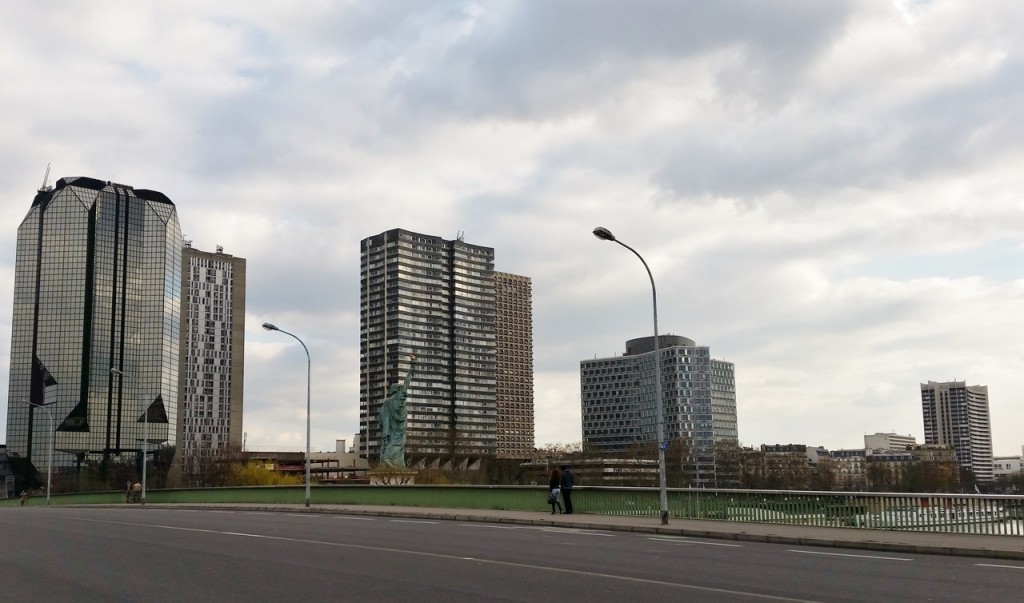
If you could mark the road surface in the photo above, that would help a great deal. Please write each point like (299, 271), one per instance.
(160, 554)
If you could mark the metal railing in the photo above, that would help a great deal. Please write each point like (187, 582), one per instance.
(946, 513)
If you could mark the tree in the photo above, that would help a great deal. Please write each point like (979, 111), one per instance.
(255, 474)
(823, 476)
(558, 451)
(209, 467)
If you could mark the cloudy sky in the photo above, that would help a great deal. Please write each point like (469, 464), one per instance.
(829, 194)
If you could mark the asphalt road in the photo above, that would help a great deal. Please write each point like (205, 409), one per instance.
(134, 554)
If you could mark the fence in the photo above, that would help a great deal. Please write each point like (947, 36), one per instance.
(963, 513)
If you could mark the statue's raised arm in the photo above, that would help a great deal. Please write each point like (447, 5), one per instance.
(408, 376)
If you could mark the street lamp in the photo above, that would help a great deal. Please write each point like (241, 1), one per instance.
(49, 461)
(606, 235)
(309, 370)
(145, 431)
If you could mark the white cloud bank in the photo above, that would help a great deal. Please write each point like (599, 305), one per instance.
(828, 194)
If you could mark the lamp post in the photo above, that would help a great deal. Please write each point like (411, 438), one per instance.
(145, 431)
(49, 461)
(606, 235)
(309, 371)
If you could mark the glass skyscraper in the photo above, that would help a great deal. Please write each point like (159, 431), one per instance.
(698, 399)
(97, 287)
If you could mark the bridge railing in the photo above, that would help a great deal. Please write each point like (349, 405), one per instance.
(963, 513)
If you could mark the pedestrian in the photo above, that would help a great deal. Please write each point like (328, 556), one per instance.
(137, 492)
(554, 484)
(24, 497)
(566, 484)
(128, 491)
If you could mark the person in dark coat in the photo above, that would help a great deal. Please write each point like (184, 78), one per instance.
(554, 483)
(567, 482)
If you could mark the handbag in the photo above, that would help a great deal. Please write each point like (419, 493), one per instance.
(553, 496)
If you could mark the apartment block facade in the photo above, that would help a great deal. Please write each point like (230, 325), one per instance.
(513, 319)
(212, 370)
(437, 300)
(957, 415)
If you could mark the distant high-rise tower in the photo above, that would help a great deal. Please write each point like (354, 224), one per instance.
(514, 328)
(437, 299)
(699, 401)
(212, 353)
(97, 278)
(956, 415)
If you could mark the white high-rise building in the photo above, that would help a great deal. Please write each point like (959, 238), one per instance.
(957, 415)
(212, 354)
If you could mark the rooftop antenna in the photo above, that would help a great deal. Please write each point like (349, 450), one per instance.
(461, 236)
(46, 178)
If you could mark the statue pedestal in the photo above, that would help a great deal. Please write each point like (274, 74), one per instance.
(392, 477)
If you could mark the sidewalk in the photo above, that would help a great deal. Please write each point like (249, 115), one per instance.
(968, 545)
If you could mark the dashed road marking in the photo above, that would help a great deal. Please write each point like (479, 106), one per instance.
(1020, 567)
(701, 542)
(848, 555)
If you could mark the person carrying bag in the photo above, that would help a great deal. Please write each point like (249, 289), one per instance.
(554, 489)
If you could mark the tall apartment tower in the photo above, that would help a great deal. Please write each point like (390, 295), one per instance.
(96, 327)
(437, 299)
(956, 415)
(212, 353)
(698, 399)
(514, 328)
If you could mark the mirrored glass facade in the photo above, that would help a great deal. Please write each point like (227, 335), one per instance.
(97, 286)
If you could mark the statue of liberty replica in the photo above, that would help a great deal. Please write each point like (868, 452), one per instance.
(392, 421)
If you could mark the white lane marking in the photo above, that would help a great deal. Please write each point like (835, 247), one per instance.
(572, 531)
(411, 521)
(848, 555)
(690, 587)
(484, 525)
(301, 514)
(228, 512)
(1020, 567)
(256, 512)
(355, 518)
(685, 541)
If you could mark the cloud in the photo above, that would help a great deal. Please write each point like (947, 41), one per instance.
(827, 194)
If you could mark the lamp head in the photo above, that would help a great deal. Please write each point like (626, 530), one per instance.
(604, 234)
(270, 327)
